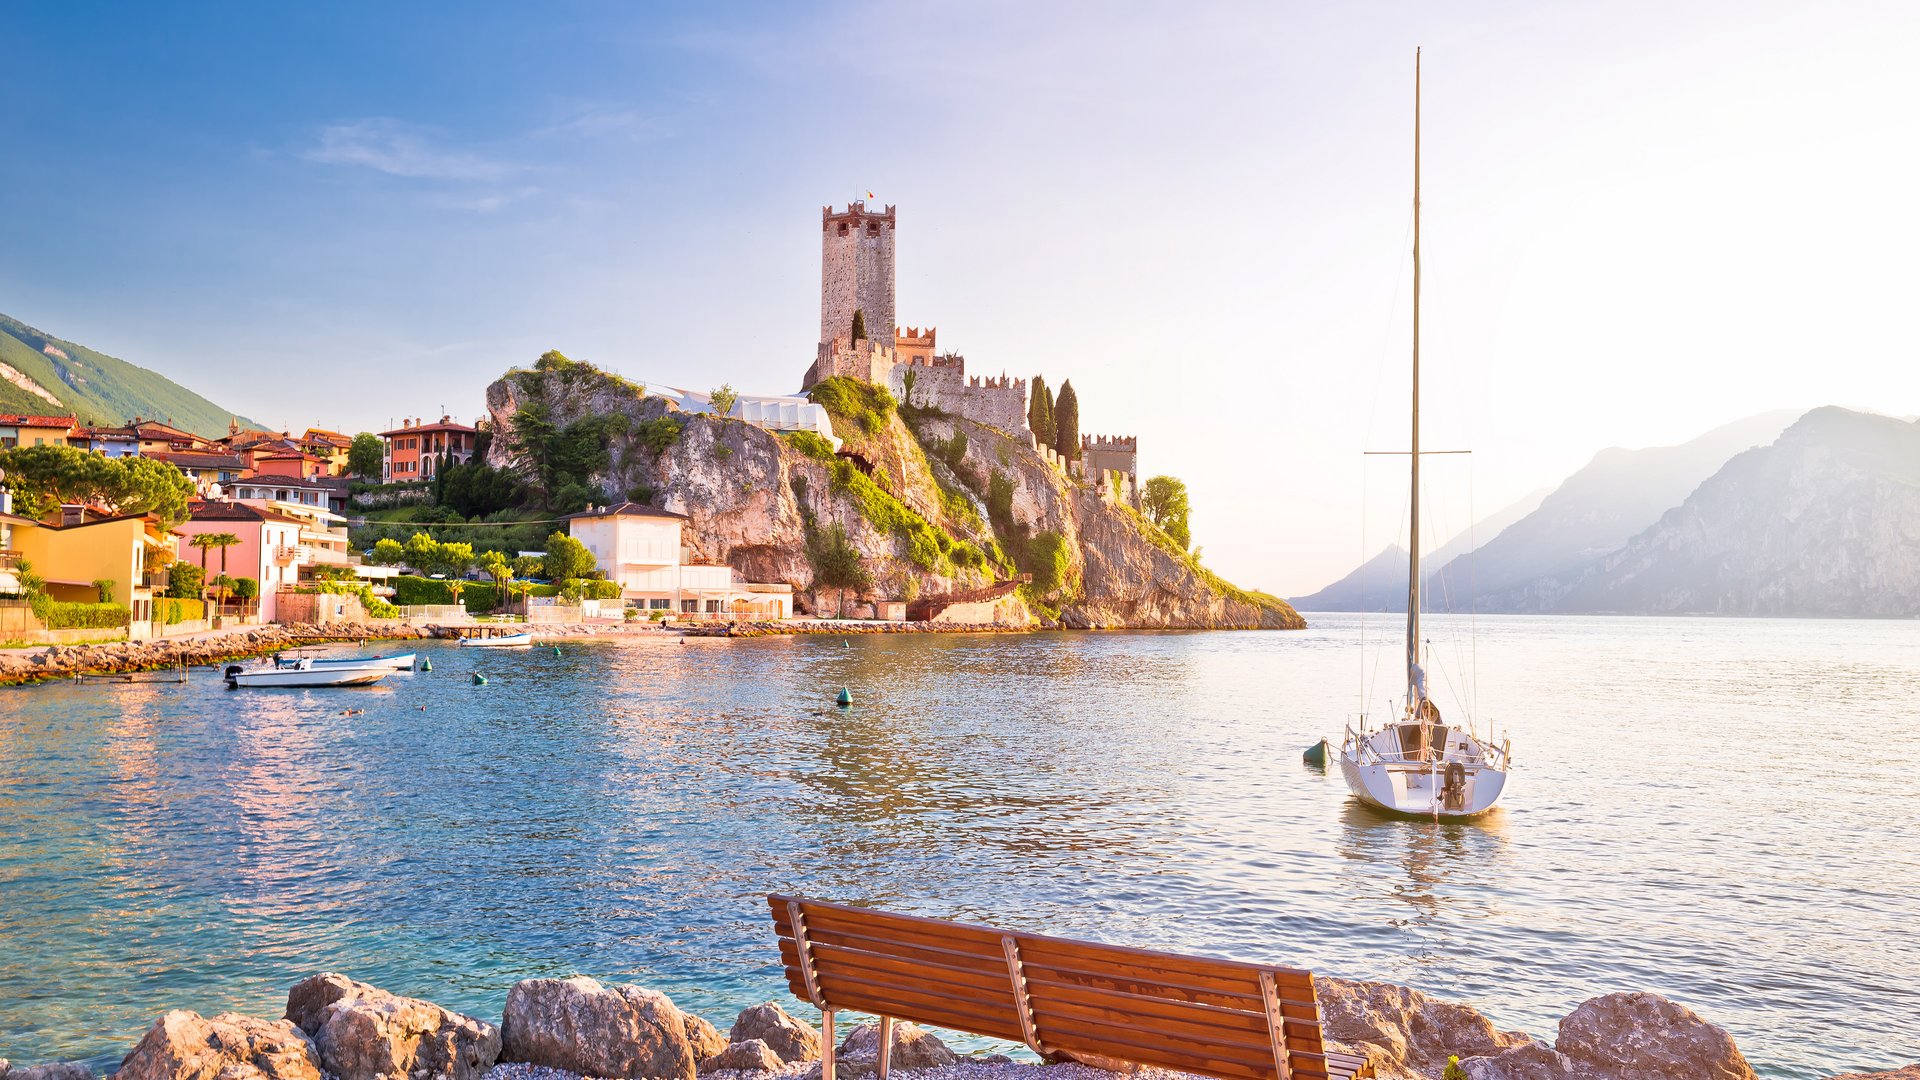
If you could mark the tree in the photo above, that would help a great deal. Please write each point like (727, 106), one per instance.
(423, 552)
(455, 560)
(526, 566)
(567, 558)
(837, 564)
(456, 586)
(203, 541)
(245, 589)
(724, 399)
(223, 541)
(105, 588)
(859, 332)
(185, 580)
(1066, 422)
(1040, 411)
(500, 570)
(388, 552)
(366, 456)
(1164, 502)
(44, 477)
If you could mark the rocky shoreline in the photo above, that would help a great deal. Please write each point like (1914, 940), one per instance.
(335, 1028)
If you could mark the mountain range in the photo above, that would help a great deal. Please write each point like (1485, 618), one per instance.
(44, 375)
(1776, 514)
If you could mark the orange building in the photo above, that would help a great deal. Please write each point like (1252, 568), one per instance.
(415, 449)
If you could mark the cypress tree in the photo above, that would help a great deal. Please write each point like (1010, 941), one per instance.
(859, 325)
(1046, 415)
(1066, 422)
(1040, 412)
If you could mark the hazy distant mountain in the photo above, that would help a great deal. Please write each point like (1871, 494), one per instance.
(1597, 510)
(1824, 522)
(1380, 584)
(45, 375)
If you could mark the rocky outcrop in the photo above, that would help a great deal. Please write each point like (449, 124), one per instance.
(917, 512)
(1910, 1072)
(1404, 1030)
(365, 1033)
(790, 1039)
(703, 1038)
(1528, 1061)
(1647, 1037)
(750, 1056)
(585, 1027)
(184, 1045)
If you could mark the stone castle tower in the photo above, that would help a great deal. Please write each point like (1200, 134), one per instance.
(856, 273)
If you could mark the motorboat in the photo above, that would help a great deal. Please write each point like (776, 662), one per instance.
(396, 662)
(1420, 763)
(306, 672)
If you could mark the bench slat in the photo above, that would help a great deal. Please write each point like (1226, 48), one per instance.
(886, 1000)
(966, 984)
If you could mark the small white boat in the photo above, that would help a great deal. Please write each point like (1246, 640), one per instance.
(499, 641)
(397, 662)
(306, 673)
(1418, 763)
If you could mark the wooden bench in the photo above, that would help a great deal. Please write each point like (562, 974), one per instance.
(1218, 1018)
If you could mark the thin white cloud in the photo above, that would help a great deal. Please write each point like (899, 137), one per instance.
(399, 149)
(608, 122)
(483, 202)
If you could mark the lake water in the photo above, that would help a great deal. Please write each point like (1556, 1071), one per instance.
(1721, 811)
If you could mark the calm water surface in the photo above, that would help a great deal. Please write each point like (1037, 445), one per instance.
(1721, 811)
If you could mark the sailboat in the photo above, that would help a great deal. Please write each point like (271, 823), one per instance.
(1419, 763)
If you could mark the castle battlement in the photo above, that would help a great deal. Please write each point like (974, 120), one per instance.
(855, 213)
(1125, 444)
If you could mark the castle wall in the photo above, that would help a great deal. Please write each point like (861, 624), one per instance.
(1114, 453)
(856, 272)
(997, 401)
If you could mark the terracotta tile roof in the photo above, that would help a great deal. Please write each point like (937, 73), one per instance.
(190, 459)
(627, 509)
(30, 420)
(418, 428)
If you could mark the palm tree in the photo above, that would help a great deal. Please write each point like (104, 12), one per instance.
(223, 541)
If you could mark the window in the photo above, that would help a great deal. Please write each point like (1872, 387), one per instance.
(660, 604)
(843, 228)
(691, 606)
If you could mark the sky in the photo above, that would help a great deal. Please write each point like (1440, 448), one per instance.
(1640, 220)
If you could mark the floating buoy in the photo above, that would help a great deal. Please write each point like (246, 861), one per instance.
(845, 699)
(479, 679)
(426, 664)
(556, 650)
(1316, 754)
(845, 644)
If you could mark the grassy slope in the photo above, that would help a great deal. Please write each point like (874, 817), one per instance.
(98, 388)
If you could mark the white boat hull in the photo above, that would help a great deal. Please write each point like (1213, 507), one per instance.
(329, 675)
(1460, 781)
(401, 662)
(505, 641)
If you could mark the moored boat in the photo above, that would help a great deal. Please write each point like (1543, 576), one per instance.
(306, 673)
(396, 662)
(1420, 764)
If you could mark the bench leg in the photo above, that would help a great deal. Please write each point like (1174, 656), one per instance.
(886, 1045)
(826, 1044)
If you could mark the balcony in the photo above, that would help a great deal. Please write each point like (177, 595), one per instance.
(286, 556)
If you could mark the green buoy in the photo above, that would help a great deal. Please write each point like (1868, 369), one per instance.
(845, 699)
(845, 644)
(556, 650)
(1316, 754)
(479, 679)
(426, 664)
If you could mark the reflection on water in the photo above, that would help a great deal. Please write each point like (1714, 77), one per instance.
(622, 810)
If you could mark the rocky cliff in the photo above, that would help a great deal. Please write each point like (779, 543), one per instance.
(935, 506)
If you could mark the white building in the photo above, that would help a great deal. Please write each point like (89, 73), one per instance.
(639, 548)
(773, 412)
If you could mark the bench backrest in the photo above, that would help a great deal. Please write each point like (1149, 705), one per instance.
(1220, 1018)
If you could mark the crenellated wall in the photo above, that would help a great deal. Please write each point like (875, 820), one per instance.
(996, 400)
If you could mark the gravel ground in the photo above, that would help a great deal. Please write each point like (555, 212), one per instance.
(963, 1070)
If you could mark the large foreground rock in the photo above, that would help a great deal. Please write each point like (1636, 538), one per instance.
(703, 1038)
(1911, 1072)
(1647, 1037)
(581, 1026)
(1530, 1061)
(750, 1056)
(184, 1045)
(365, 1033)
(1403, 1031)
(790, 1039)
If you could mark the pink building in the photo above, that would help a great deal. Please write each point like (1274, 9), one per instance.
(268, 550)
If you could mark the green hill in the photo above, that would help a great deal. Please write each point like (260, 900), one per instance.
(98, 388)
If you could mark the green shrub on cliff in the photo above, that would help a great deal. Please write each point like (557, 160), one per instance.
(858, 403)
(812, 444)
(927, 543)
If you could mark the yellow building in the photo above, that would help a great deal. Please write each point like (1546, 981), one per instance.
(72, 557)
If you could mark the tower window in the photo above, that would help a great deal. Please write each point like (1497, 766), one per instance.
(873, 229)
(843, 228)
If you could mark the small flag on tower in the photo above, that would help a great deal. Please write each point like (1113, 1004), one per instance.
(869, 194)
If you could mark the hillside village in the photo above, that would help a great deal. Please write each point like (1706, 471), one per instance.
(895, 486)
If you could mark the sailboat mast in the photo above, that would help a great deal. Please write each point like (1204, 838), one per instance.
(1413, 534)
